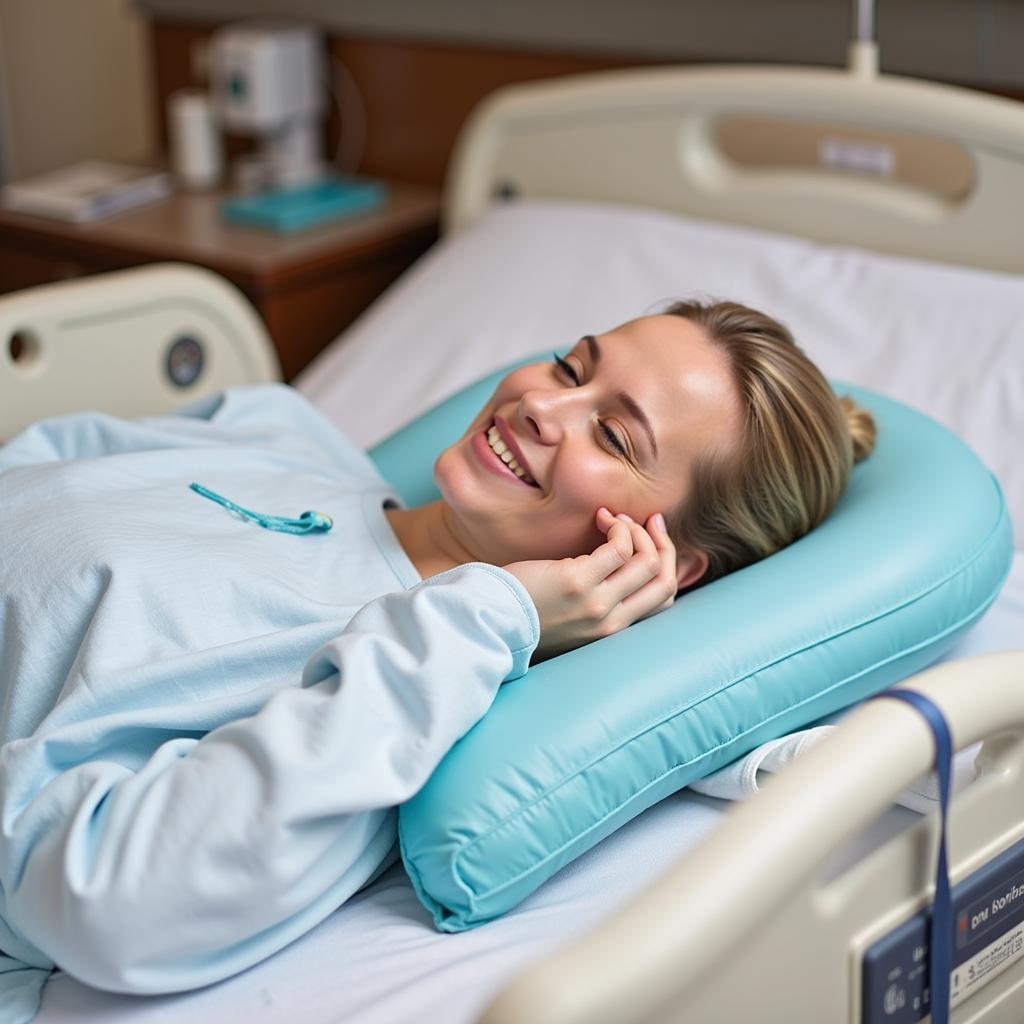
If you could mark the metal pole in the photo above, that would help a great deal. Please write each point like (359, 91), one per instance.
(862, 53)
(864, 21)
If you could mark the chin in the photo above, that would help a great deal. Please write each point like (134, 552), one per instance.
(453, 478)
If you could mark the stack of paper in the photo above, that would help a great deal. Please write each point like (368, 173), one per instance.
(86, 191)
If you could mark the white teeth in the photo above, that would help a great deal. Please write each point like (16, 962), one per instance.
(501, 449)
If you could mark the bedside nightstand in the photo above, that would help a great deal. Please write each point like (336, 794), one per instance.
(307, 287)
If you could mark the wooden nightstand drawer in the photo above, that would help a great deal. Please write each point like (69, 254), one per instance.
(24, 268)
(306, 316)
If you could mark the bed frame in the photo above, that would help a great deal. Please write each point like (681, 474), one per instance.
(766, 934)
(132, 342)
(894, 165)
(890, 164)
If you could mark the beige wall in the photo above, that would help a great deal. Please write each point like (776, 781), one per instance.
(74, 74)
(5, 143)
(969, 42)
(74, 82)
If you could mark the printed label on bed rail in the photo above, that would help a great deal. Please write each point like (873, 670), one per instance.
(856, 155)
(988, 926)
(986, 965)
(990, 911)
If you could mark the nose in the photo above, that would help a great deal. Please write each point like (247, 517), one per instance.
(546, 413)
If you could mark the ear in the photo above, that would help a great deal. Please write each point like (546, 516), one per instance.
(691, 565)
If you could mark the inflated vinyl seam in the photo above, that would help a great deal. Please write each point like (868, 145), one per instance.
(922, 593)
(440, 911)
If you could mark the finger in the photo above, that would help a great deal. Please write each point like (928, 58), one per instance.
(659, 593)
(644, 564)
(646, 584)
(604, 519)
(615, 552)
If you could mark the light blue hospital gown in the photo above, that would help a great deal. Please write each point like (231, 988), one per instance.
(205, 726)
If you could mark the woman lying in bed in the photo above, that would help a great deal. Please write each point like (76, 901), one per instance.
(207, 726)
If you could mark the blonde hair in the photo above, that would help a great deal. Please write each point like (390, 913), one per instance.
(793, 462)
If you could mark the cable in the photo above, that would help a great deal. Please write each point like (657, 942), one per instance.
(352, 121)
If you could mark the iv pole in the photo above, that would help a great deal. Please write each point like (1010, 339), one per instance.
(862, 52)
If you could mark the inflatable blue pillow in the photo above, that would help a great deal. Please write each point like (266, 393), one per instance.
(914, 553)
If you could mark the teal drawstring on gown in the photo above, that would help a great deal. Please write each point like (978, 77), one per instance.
(308, 522)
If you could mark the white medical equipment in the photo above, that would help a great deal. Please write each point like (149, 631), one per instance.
(267, 80)
(727, 934)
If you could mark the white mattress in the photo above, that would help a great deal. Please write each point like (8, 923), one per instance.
(535, 277)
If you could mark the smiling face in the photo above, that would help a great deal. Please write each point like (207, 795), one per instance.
(618, 422)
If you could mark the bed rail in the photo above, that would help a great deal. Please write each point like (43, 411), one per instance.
(766, 934)
(132, 342)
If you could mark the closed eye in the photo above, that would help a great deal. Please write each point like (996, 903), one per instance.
(609, 434)
(566, 368)
(613, 438)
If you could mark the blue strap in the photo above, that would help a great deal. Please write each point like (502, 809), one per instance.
(941, 952)
(308, 522)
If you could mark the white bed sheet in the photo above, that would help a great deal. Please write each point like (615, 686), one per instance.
(539, 275)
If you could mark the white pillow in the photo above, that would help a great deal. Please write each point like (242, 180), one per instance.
(532, 276)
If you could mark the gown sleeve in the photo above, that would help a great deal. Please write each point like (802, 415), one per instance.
(224, 848)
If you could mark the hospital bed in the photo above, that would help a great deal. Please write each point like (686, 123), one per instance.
(880, 219)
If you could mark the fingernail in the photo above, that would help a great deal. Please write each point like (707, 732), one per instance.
(624, 517)
(659, 522)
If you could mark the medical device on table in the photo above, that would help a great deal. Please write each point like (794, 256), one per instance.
(266, 82)
(269, 80)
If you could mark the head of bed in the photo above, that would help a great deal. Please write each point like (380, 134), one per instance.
(886, 163)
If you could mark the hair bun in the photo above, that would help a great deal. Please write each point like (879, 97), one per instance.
(862, 428)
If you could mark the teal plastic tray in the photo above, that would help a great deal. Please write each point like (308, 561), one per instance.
(289, 210)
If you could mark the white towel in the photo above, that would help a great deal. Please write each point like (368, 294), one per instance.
(739, 780)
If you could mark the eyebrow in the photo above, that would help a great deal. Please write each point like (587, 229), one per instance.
(628, 402)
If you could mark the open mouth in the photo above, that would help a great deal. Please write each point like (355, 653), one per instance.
(504, 454)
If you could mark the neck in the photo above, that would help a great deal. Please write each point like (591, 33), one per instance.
(426, 535)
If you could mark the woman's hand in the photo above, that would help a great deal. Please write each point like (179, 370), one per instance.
(628, 577)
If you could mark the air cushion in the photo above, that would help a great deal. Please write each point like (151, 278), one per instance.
(915, 552)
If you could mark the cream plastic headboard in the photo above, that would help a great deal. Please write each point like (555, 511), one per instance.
(105, 343)
(883, 162)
